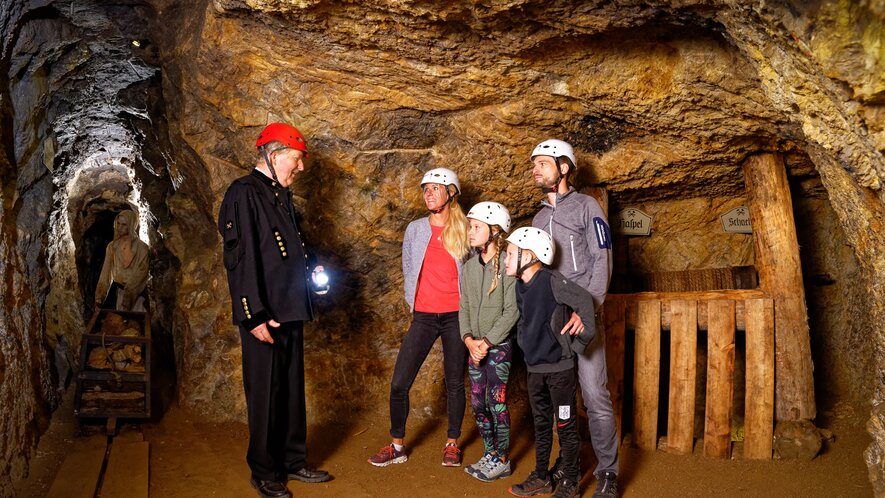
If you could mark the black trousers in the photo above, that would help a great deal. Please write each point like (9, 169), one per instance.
(552, 397)
(273, 377)
(425, 328)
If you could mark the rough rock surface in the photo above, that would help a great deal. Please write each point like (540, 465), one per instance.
(662, 99)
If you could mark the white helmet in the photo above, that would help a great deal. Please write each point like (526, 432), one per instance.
(536, 240)
(443, 176)
(555, 148)
(491, 213)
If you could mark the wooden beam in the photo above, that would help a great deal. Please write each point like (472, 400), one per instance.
(759, 415)
(646, 376)
(78, 477)
(683, 373)
(720, 379)
(127, 474)
(780, 275)
(632, 320)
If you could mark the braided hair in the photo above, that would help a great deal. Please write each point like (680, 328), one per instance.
(498, 246)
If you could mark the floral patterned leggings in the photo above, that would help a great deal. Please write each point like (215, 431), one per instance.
(488, 397)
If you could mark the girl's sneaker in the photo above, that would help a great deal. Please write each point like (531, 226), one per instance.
(494, 469)
(388, 455)
(451, 456)
(473, 467)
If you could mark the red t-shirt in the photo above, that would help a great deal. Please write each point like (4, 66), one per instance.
(438, 281)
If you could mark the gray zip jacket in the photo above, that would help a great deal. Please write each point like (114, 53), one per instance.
(415, 242)
(485, 316)
(583, 241)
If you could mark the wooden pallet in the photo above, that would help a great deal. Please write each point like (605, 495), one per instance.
(722, 314)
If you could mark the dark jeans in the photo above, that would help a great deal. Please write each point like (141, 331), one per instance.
(273, 376)
(552, 396)
(425, 328)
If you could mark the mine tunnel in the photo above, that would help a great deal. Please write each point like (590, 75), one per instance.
(735, 148)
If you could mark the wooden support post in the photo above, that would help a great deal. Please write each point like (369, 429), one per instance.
(647, 371)
(720, 379)
(613, 320)
(780, 275)
(758, 418)
(683, 374)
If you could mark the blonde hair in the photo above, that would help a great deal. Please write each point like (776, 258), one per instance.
(454, 235)
(498, 247)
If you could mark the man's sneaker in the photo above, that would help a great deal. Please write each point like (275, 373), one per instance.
(494, 468)
(473, 467)
(388, 455)
(566, 488)
(536, 484)
(607, 487)
(451, 456)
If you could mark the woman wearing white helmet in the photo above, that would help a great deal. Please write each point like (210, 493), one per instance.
(434, 248)
(488, 314)
(544, 298)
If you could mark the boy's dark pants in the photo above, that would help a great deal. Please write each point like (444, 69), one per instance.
(552, 396)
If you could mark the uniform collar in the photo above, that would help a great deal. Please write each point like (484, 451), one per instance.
(257, 173)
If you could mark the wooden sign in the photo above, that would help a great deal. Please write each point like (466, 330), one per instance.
(737, 220)
(632, 221)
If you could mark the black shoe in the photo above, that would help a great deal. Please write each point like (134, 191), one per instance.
(536, 484)
(607, 487)
(557, 473)
(566, 488)
(309, 475)
(270, 489)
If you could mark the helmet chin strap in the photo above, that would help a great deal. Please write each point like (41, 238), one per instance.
(555, 187)
(266, 157)
(525, 266)
(449, 199)
(491, 238)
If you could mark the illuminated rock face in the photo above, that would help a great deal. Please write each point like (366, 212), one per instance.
(662, 100)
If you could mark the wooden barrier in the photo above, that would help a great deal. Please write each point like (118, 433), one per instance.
(724, 313)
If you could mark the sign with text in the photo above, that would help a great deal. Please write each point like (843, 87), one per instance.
(632, 221)
(737, 220)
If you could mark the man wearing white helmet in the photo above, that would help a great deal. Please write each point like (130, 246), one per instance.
(544, 298)
(582, 238)
(434, 248)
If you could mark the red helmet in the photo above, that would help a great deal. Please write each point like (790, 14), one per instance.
(283, 133)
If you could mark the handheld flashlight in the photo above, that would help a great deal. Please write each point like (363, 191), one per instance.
(320, 282)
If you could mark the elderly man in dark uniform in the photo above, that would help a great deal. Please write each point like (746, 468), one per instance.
(268, 273)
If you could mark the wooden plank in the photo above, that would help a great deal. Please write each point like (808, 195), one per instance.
(720, 379)
(703, 322)
(736, 294)
(78, 476)
(683, 359)
(780, 275)
(127, 472)
(759, 415)
(646, 376)
(613, 320)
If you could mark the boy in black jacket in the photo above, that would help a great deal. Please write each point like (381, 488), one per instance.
(545, 300)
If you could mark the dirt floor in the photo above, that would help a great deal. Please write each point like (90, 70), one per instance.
(194, 458)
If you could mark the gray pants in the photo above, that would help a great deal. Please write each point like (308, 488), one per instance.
(593, 377)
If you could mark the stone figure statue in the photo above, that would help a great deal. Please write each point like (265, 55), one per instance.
(125, 269)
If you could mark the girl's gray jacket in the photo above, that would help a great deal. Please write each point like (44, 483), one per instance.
(415, 243)
(482, 315)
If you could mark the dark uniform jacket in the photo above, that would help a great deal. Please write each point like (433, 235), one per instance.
(265, 257)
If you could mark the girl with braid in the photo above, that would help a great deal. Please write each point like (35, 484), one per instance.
(487, 315)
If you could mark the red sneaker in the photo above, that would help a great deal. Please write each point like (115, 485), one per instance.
(388, 455)
(451, 456)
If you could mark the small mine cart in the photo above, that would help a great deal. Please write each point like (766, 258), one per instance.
(115, 366)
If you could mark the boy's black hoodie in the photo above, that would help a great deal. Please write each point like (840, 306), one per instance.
(545, 304)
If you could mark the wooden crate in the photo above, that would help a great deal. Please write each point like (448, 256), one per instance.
(115, 383)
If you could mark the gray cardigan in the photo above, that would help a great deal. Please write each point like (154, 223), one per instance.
(415, 242)
(482, 315)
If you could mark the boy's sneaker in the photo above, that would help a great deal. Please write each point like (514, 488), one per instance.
(473, 467)
(566, 488)
(536, 484)
(494, 468)
(451, 456)
(607, 487)
(388, 455)
(556, 472)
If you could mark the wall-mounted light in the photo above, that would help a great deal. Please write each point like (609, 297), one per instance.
(136, 43)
